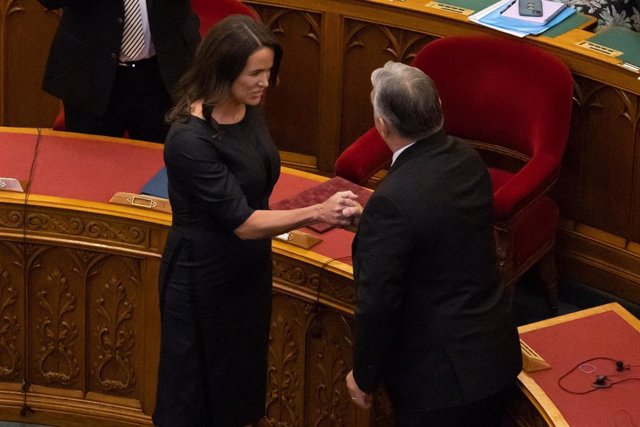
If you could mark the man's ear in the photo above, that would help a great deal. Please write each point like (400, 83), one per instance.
(382, 126)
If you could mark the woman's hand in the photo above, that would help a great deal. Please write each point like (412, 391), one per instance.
(332, 210)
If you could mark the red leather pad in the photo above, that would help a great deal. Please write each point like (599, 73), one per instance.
(318, 194)
(566, 345)
(336, 242)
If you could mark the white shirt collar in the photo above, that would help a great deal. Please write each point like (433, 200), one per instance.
(397, 153)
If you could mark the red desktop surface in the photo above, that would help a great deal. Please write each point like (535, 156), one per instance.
(336, 242)
(16, 153)
(78, 167)
(94, 168)
(568, 346)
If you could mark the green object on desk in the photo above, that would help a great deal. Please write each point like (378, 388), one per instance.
(572, 22)
(475, 5)
(623, 40)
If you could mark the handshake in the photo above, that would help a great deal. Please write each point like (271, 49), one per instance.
(342, 210)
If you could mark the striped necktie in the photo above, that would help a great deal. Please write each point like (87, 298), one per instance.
(133, 34)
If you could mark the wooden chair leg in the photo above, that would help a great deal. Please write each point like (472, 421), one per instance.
(549, 277)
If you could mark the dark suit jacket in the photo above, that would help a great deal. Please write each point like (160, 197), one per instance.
(431, 320)
(85, 50)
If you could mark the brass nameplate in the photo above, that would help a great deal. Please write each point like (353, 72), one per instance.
(595, 47)
(11, 184)
(449, 8)
(298, 238)
(141, 201)
(531, 361)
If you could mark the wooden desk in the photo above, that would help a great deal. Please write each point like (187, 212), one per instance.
(78, 296)
(335, 44)
(78, 292)
(607, 331)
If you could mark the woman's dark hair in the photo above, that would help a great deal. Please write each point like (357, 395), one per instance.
(220, 58)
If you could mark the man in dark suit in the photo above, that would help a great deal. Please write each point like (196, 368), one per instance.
(432, 322)
(114, 63)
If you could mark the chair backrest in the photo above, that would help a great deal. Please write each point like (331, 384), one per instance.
(513, 99)
(501, 92)
(212, 11)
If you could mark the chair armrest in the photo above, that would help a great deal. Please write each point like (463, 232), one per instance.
(363, 158)
(534, 179)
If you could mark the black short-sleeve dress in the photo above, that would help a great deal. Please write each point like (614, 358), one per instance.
(215, 289)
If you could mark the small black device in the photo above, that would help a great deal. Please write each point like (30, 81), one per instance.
(530, 7)
(602, 381)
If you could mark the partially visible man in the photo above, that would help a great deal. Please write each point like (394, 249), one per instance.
(432, 322)
(114, 63)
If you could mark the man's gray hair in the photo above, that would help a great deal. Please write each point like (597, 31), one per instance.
(407, 99)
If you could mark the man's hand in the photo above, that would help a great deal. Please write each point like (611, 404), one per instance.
(331, 210)
(359, 397)
(353, 212)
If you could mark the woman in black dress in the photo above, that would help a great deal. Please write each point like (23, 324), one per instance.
(215, 292)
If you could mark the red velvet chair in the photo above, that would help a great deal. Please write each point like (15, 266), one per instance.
(58, 123)
(514, 102)
(209, 12)
(212, 11)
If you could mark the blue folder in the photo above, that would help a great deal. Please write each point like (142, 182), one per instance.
(496, 19)
(157, 186)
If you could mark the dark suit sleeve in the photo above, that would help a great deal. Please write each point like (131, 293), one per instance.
(383, 249)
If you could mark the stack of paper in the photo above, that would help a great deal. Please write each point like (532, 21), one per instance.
(504, 16)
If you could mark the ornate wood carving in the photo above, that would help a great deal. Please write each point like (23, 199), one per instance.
(608, 153)
(56, 361)
(314, 279)
(329, 353)
(75, 225)
(114, 369)
(286, 375)
(367, 47)
(295, 100)
(114, 317)
(11, 294)
(10, 217)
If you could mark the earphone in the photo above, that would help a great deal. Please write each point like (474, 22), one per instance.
(601, 381)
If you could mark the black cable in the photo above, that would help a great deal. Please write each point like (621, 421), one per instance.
(314, 329)
(25, 271)
(606, 382)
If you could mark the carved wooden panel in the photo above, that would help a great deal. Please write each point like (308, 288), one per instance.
(292, 107)
(114, 323)
(566, 191)
(310, 350)
(56, 318)
(368, 46)
(286, 376)
(79, 226)
(86, 314)
(328, 361)
(27, 31)
(608, 154)
(12, 321)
